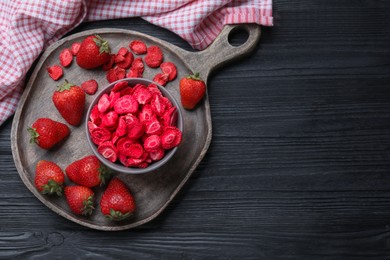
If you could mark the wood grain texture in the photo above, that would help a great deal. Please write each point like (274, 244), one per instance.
(298, 167)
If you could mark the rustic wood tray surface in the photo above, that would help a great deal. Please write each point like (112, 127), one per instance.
(153, 191)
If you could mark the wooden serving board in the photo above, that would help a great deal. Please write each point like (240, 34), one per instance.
(152, 191)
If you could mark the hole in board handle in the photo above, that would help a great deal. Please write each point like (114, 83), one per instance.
(238, 36)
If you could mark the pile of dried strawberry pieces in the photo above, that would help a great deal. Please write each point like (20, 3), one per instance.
(135, 125)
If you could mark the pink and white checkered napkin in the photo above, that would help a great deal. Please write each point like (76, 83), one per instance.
(28, 26)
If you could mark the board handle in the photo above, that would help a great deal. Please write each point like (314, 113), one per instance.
(221, 51)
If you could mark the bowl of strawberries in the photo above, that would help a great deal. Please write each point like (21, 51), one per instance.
(134, 126)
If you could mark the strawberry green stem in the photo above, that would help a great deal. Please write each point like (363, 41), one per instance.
(194, 76)
(65, 86)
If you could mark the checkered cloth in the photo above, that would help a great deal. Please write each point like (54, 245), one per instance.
(28, 26)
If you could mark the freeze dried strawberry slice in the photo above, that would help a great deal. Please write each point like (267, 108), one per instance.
(171, 137)
(126, 91)
(135, 130)
(138, 47)
(75, 48)
(122, 127)
(113, 97)
(119, 58)
(154, 89)
(110, 120)
(161, 79)
(90, 86)
(126, 104)
(55, 72)
(108, 150)
(99, 135)
(142, 95)
(158, 104)
(135, 150)
(110, 63)
(123, 145)
(146, 113)
(115, 74)
(157, 154)
(66, 57)
(138, 65)
(123, 51)
(170, 69)
(154, 56)
(119, 86)
(170, 117)
(126, 62)
(133, 73)
(91, 126)
(95, 116)
(153, 127)
(131, 119)
(152, 143)
(103, 103)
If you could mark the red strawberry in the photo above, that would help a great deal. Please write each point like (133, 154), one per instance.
(117, 202)
(75, 48)
(49, 178)
(46, 132)
(93, 53)
(66, 57)
(192, 90)
(88, 171)
(55, 72)
(69, 101)
(154, 56)
(90, 86)
(138, 47)
(80, 199)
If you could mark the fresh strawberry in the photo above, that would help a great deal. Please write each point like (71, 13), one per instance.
(55, 72)
(80, 199)
(69, 101)
(154, 56)
(192, 90)
(88, 171)
(93, 53)
(66, 57)
(170, 69)
(90, 86)
(49, 178)
(117, 202)
(75, 48)
(46, 132)
(138, 47)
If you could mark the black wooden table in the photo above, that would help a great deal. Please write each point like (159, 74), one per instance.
(298, 167)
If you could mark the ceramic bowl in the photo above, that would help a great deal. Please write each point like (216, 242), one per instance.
(118, 166)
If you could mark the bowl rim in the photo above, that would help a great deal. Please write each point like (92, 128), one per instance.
(117, 166)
